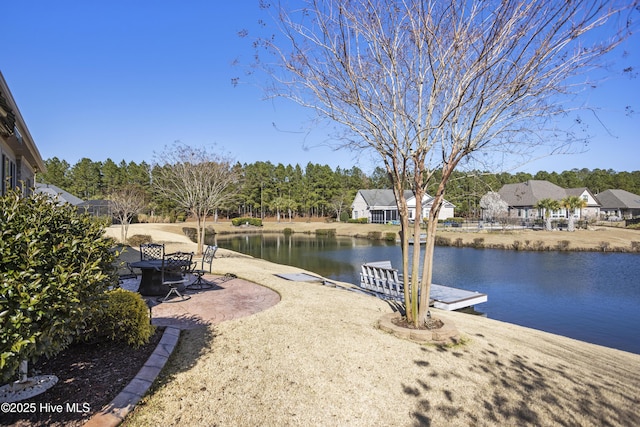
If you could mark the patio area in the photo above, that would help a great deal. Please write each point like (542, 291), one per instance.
(228, 298)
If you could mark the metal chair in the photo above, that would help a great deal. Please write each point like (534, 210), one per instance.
(207, 258)
(174, 268)
(150, 251)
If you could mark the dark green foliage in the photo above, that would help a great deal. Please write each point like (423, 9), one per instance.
(478, 242)
(257, 222)
(390, 237)
(124, 318)
(138, 239)
(359, 221)
(442, 241)
(374, 235)
(287, 231)
(326, 232)
(55, 266)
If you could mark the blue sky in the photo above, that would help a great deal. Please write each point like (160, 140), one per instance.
(123, 79)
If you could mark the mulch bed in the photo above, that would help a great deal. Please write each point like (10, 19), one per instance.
(90, 375)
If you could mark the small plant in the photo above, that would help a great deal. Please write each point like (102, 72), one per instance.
(326, 232)
(390, 237)
(539, 245)
(635, 246)
(517, 245)
(256, 222)
(443, 241)
(138, 239)
(563, 245)
(358, 221)
(478, 242)
(458, 242)
(287, 231)
(374, 235)
(124, 318)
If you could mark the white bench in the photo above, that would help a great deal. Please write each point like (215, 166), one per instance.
(384, 281)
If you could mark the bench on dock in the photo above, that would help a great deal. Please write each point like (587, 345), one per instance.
(381, 279)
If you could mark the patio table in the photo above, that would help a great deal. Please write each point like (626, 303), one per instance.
(151, 281)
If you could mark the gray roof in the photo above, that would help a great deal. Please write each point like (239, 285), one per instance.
(57, 193)
(383, 197)
(530, 192)
(618, 199)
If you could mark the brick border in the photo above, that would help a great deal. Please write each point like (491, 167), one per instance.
(115, 412)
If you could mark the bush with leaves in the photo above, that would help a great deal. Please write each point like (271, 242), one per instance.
(125, 318)
(55, 266)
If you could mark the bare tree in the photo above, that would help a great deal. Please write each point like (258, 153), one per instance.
(197, 180)
(125, 203)
(430, 84)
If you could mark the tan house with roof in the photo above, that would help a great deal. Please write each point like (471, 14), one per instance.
(20, 159)
(523, 197)
(619, 204)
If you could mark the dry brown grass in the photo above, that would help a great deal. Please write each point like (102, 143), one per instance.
(316, 358)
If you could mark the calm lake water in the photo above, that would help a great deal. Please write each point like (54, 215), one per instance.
(588, 296)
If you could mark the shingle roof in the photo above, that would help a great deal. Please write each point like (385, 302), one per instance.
(616, 199)
(57, 193)
(382, 197)
(530, 192)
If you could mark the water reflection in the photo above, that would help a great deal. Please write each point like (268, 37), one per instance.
(589, 296)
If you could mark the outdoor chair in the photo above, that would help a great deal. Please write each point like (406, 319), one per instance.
(175, 267)
(207, 258)
(151, 251)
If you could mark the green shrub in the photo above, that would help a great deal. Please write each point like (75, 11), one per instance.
(55, 266)
(326, 232)
(359, 221)
(443, 241)
(257, 222)
(287, 231)
(138, 239)
(191, 233)
(390, 237)
(124, 318)
(344, 216)
(478, 242)
(374, 235)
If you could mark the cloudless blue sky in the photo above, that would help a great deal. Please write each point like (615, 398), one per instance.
(123, 79)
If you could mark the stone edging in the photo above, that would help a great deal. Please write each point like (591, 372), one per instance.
(115, 412)
(447, 332)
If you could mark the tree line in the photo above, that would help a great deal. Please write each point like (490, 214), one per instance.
(283, 191)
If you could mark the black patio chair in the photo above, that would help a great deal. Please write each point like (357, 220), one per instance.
(207, 258)
(175, 267)
(150, 251)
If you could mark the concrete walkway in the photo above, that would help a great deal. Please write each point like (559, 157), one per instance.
(229, 298)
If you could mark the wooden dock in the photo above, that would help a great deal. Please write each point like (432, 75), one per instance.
(384, 281)
(448, 298)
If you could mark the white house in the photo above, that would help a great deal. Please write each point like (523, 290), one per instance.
(379, 206)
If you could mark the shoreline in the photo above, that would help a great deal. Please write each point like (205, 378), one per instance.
(596, 239)
(317, 358)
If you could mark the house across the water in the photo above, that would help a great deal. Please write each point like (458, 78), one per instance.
(379, 206)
